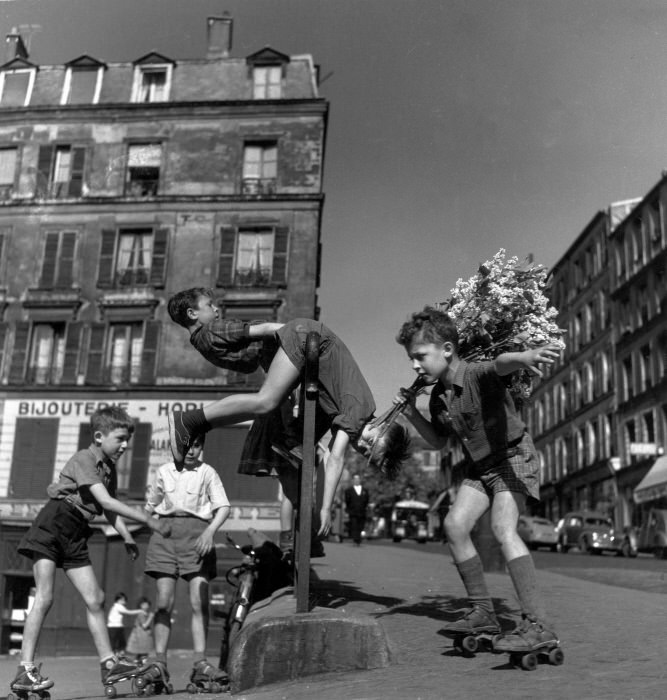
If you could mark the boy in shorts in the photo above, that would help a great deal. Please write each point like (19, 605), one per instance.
(345, 403)
(58, 538)
(471, 402)
(190, 496)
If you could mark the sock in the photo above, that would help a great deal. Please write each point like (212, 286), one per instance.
(108, 661)
(27, 665)
(196, 421)
(471, 572)
(161, 656)
(198, 656)
(522, 573)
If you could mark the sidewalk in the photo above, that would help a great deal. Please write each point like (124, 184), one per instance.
(613, 638)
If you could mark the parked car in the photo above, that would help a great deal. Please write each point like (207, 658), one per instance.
(652, 534)
(594, 533)
(537, 532)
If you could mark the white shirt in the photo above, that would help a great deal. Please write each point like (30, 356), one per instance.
(357, 488)
(196, 491)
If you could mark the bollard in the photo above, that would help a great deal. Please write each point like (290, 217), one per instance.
(310, 392)
(486, 544)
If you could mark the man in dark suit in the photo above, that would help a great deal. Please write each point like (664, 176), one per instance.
(356, 504)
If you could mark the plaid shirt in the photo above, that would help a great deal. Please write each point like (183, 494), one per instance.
(227, 344)
(479, 411)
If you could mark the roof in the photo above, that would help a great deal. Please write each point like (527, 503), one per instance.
(654, 484)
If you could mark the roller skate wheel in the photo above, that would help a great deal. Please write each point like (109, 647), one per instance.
(169, 689)
(529, 662)
(191, 688)
(140, 682)
(215, 687)
(11, 696)
(556, 656)
(470, 644)
(110, 691)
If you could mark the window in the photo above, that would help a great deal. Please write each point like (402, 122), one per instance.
(588, 383)
(253, 256)
(143, 169)
(626, 367)
(648, 427)
(7, 172)
(58, 262)
(132, 257)
(267, 82)
(47, 353)
(5, 232)
(645, 367)
(152, 83)
(16, 87)
(60, 171)
(82, 85)
(605, 435)
(122, 353)
(260, 168)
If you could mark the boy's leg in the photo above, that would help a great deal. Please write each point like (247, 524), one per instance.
(199, 609)
(281, 378)
(84, 580)
(166, 587)
(44, 572)
(470, 504)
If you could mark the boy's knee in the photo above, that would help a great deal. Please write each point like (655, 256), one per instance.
(95, 601)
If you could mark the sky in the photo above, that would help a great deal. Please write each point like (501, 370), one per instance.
(456, 128)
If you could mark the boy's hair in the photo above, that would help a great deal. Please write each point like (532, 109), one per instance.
(120, 596)
(186, 299)
(390, 450)
(104, 420)
(429, 325)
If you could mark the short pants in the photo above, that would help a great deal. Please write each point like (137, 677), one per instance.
(517, 472)
(59, 533)
(176, 556)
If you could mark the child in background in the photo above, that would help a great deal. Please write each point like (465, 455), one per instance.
(140, 642)
(58, 538)
(191, 497)
(116, 624)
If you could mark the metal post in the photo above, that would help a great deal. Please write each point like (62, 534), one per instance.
(310, 392)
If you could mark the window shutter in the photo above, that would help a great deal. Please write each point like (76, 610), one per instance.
(95, 366)
(3, 340)
(85, 436)
(159, 262)
(76, 174)
(141, 448)
(44, 170)
(20, 352)
(33, 460)
(149, 356)
(226, 261)
(72, 348)
(107, 250)
(280, 255)
(65, 277)
(50, 261)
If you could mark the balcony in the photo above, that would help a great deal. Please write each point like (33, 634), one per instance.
(258, 186)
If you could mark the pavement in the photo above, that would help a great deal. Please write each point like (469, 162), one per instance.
(613, 638)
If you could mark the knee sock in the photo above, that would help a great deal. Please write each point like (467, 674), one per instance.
(522, 573)
(471, 572)
(197, 421)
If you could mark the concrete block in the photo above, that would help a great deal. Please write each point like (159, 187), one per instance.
(276, 644)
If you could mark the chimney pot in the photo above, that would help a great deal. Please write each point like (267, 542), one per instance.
(219, 36)
(15, 46)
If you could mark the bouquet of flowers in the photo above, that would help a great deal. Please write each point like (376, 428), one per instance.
(503, 308)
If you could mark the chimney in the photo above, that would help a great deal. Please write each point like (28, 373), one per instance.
(219, 36)
(15, 46)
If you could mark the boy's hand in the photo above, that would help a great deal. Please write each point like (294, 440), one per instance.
(204, 543)
(325, 522)
(405, 398)
(544, 354)
(132, 549)
(160, 526)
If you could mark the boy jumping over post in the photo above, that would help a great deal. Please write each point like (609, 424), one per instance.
(471, 401)
(58, 538)
(345, 403)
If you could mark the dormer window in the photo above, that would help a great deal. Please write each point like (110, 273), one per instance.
(83, 81)
(16, 85)
(152, 79)
(267, 70)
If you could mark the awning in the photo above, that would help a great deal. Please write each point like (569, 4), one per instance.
(654, 484)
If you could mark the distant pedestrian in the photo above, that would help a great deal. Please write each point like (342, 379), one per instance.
(116, 623)
(140, 642)
(356, 505)
(471, 402)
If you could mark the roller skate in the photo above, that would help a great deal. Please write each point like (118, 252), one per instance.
(153, 679)
(29, 684)
(528, 642)
(115, 671)
(206, 678)
(475, 631)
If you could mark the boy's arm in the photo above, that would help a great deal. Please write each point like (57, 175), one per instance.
(509, 362)
(113, 505)
(262, 330)
(130, 545)
(204, 542)
(424, 427)
(333, 469)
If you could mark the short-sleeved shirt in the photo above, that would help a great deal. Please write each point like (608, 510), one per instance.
(480, 411)
(227, 344)
(344, 396)
(83, 470)
(194, 491)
